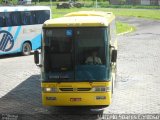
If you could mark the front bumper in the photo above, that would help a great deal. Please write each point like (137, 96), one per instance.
(76, 99)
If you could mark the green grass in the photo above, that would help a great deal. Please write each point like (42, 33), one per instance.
(141, 13)
(104, 4)
(150, 12)
(124, 27)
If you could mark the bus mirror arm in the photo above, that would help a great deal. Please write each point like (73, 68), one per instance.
(36, 58)
(114, 56)
(112, 47)
(39, 65)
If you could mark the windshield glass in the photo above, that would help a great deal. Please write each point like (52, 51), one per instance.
(75, 54)
(90, 54)
(60, 49)
(58, 54)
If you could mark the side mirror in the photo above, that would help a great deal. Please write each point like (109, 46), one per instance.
(36, 57)
(114, 56)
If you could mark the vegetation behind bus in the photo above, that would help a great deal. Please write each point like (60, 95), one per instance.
(141, 11)
(101, 3)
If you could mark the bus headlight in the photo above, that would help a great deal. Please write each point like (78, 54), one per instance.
(47, 89)
(101, 89)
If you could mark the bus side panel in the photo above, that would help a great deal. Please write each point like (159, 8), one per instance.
(9, 39)
(36, 42)
(32, 33)
(14, 38)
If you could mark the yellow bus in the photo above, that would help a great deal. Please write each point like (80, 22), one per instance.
(78, 59)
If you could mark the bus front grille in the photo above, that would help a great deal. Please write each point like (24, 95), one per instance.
(83, 89)
(66, 89)
(74, 89)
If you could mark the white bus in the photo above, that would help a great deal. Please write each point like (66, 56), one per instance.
(21, 28)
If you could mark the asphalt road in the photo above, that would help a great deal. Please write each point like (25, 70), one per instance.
(138, 80)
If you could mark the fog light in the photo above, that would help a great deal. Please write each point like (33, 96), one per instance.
(100, 97)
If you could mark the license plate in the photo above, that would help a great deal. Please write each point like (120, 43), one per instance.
(75, 99)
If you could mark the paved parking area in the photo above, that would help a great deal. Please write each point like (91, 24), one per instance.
(137, 88)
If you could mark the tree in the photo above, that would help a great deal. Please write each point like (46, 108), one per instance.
(123, 2)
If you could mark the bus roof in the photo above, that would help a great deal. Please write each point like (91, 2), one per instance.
(82, 19)
(22, 8)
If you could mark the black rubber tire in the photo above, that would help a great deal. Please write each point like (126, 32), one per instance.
(26, 49)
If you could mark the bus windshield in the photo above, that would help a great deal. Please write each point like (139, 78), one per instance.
(75, 54)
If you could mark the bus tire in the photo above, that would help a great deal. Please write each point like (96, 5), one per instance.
(26, 49)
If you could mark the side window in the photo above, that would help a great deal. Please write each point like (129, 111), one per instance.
(42, 16)
(33, 17)
(16, 18)
(2, 20)
(47, 15)
(27, 18)
(8, 19)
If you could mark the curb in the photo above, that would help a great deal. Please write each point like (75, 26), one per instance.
(126, 32)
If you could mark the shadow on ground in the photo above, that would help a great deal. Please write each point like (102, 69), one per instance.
(12, 55)
(25, 101)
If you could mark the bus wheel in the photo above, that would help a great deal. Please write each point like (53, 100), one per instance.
(26, 49)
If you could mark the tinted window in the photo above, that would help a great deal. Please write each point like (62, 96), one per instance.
(90, 40)
(76, 54)
(33, 17)
(90, 37)
(60, 48)
(16, 19)
(42, 16)
(2, 20)
(23, 18)
(57, 50)
(8, 19)
(59, 42)
(28, 18)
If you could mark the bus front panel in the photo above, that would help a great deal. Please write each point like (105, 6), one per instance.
(76, 94)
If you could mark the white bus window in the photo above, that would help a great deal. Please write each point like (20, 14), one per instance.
(16, 19)
(42, 16)
(8, 19)
(2, 19)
